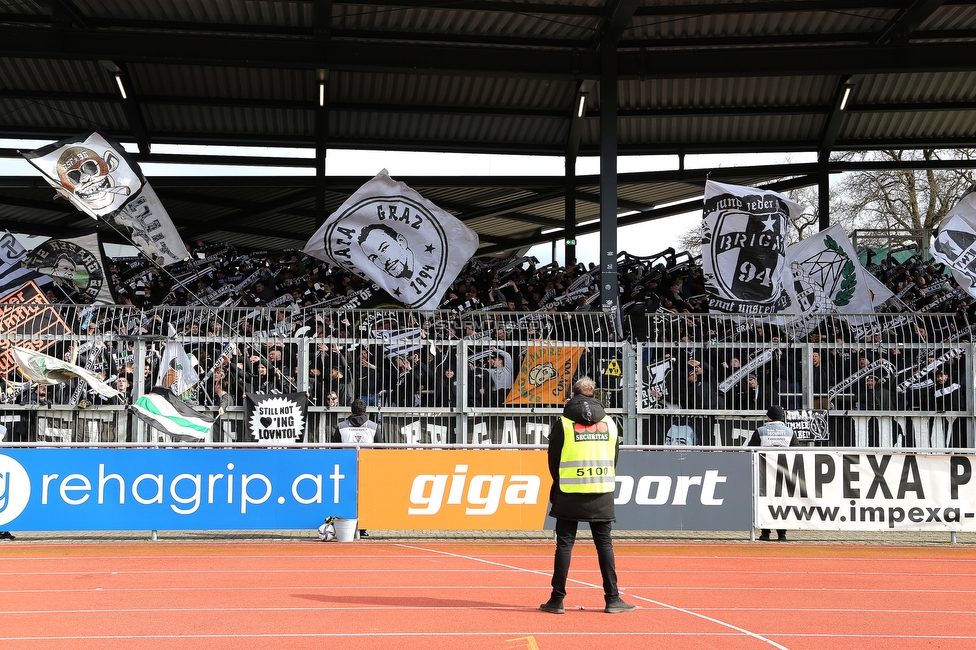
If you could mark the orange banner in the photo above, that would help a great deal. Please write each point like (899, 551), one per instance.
(438, 489)
(28, 316)
(546, 376)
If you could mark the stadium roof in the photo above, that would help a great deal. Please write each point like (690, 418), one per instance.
(481, 76)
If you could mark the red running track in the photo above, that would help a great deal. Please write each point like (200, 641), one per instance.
(410, 596)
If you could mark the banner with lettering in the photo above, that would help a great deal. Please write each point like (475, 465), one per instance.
(841, 490)
(389, 233)
(744, 248)
(276, 418)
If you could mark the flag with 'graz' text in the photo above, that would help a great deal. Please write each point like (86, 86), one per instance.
(389, 233)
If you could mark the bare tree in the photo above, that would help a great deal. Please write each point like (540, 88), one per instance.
(691, 239)
(902, 199)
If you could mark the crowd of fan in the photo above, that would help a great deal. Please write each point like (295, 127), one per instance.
(661, 299)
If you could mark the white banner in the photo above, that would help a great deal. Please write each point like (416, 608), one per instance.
(150, 228)
(92, 171)
(827, 276)
(744, 249)
(392, 235)
(813, 490)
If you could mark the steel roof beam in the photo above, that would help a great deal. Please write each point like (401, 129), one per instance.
(456, 58)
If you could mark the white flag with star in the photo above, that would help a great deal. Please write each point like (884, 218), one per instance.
(744, 248)
(392, 235)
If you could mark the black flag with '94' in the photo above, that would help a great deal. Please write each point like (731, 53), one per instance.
(744, 249)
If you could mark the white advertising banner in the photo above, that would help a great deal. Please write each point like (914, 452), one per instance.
(811, 490)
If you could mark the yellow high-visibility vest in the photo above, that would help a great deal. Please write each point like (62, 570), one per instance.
(586, 461)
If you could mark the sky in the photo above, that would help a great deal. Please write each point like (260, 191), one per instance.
(640, 239)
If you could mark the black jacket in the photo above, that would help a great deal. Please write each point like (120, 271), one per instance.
(575, 506)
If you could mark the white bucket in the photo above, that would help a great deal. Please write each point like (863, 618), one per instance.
(345, 529)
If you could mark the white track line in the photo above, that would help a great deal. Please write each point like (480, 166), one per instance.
(716, 621)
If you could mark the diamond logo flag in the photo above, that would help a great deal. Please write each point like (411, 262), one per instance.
(827, 276)
(389, 233)
(13, 275)
(546, 375)
(92, 171)
(744, 248)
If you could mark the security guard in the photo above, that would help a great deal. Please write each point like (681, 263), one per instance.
(358, 428)
(774, 433)
(583, 446)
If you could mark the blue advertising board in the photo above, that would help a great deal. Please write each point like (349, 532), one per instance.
(175, 489)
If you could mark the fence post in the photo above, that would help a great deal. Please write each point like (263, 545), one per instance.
(630, 388)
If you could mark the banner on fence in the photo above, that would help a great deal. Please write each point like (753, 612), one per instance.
(24, 315)
(276, 418)
(175, 489)
(435, 489)
(864, 491)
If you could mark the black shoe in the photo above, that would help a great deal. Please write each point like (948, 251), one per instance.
(781, 537)
(363, 534)
(6, 535)
(764, 537)
(553, 606)
(618, 606)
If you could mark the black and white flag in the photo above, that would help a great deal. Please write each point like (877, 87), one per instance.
(955, 241)
(392, 235)
(744, 248)
(76, 264)
(13, 275)
(276, 418)
(92, 171)
(150, 228)
(98, 177)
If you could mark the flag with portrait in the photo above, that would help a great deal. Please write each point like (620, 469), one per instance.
(77, 265)
(744, 248)
(389, 233)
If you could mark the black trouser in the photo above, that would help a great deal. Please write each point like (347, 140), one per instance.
(566, 538)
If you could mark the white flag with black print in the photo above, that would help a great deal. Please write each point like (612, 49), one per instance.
(955, 241)
(13, 275)
(389, 233)
(829, 278)
(744, 248)
(92, 171)
(149, 227)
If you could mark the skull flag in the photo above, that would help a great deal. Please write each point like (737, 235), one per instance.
(389, 233)
(93, 172)
(744, 249)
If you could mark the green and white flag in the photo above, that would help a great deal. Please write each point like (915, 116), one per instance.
(44, 369)
(827, 276)
(162, 410)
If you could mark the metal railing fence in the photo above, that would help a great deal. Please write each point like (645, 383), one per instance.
(500, 378)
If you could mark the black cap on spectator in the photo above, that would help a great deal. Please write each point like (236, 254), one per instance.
(776, 413)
